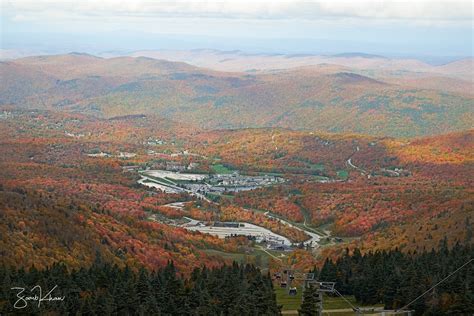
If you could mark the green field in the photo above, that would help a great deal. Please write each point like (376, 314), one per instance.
(317, 166)
(227, 196)
(213, 197)
(319, 178)
(330, 302)
(219, 168)
(342, 174)
(294, 302)
(288, 302)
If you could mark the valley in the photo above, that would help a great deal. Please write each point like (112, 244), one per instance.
(125, 173)
(205, 187)
(289, 182)
(236, 158)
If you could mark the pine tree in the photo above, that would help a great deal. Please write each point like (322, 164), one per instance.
(311, 301)
(462, 305)
(104, 304)
(390, 292)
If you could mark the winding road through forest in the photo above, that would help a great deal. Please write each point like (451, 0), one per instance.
(312, 241)
(349, 162)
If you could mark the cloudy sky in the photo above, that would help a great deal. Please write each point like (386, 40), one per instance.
(414, 27)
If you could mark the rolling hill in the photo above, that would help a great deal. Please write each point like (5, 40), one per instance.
(331, 98)
(364, 187)
(246, 62)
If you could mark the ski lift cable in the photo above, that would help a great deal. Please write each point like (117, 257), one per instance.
(431, 288)
(353, 307)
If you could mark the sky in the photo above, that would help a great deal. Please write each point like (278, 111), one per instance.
(387, 27)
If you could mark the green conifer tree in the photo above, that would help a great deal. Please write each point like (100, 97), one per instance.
(311, 302)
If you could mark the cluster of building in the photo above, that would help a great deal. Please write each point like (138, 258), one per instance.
(154, 142)
(6, 115)
(121, 155)
(175, 166)
(235, 229)
(234, 182)
(78, 135)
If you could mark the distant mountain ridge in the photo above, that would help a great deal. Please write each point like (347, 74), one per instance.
(356, 54)
(241, 61)
(324, 97)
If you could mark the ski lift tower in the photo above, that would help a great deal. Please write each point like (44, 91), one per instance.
(307, 281)
(321, 287)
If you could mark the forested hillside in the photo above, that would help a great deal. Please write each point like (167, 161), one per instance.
(70, 193)
(386, 197)
(60, 205)
(331, 98)
(109, 290)
(396, 279)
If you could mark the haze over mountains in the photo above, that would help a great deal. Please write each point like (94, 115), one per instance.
(241, 61)
(353, 92)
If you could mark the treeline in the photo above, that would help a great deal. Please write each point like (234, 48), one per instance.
(105, 289)
(395, 279)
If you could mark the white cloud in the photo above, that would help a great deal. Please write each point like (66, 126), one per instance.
(22, 18)
(416, 10)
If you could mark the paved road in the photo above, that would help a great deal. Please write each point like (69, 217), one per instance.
(349, 162)
(173, 186)
(314, 238)
(265, 250)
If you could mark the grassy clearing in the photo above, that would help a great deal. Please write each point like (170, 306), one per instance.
(220, 168)
(213, 196)
(343, 174)
(319, 178)
(294, 302)
(228, 196)
(337, 302)
(288, 302)
(317, 166)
